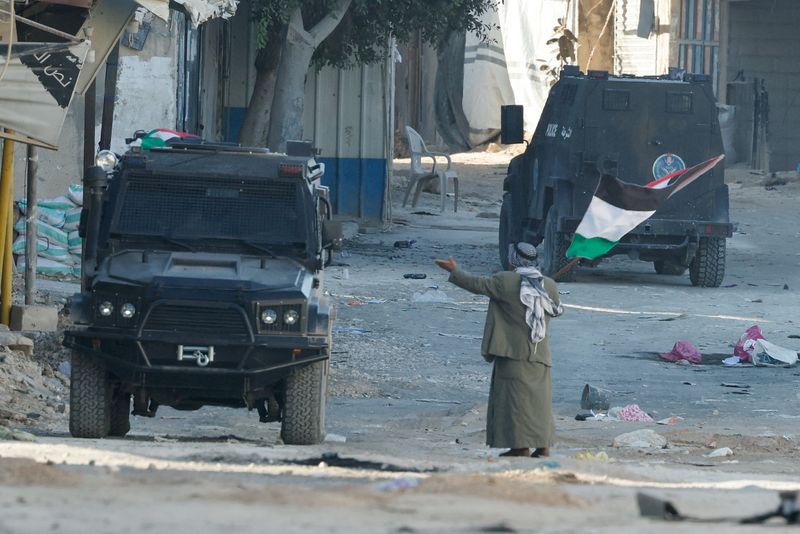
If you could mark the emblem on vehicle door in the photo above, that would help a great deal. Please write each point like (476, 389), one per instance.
(666, 164)
(201, 355)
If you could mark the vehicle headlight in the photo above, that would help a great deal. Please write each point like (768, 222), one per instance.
(105, 308)
(127, 311)
(269, 316)
(106, 159)
(291, 317)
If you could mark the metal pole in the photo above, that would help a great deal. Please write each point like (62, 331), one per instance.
(89, 102)
(89, 153)
(8, 271)
(6, 192)
(109, 97)
(31, 241)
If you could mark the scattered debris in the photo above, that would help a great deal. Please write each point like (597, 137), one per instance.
(733, 361)
(733, 385)
(682, 351)
(746, 343)
(415, 276)
(718, 453)
(335, 438)
(673, 420)
(686, 383)
(601, 456)
(631, 413)
(15, 435)
(405, 243)
(595, 399)
(643, 439)
(771, 355)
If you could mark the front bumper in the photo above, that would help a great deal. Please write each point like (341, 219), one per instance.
(240, 363)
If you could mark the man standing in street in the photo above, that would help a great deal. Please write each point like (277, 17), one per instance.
(515, 338)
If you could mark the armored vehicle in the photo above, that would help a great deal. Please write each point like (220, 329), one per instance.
(636, 129)
(203, 285)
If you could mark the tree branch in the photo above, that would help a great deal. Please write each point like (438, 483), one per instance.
(325, 27)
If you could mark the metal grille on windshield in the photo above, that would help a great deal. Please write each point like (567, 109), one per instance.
(264, 211)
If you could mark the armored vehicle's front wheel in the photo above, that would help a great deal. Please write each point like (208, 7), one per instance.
(708, 266)
(304, 405)
(553, 249)
(89, 398)
(120, 415)
(669, 267)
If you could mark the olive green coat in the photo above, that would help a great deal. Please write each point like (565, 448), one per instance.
(506, 333)
(520, 397)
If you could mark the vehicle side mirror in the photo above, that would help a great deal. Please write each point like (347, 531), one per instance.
(512, 125)
(332, 234)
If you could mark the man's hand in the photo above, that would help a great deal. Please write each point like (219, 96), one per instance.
(448, 265)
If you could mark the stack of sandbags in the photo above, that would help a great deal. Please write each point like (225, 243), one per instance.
(58, 244)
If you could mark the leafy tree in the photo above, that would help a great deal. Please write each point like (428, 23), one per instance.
(294, 34)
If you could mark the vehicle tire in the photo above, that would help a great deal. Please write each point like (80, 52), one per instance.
(504, 236)
(304, 405)
(708, 266)
(553, 249)
(669, 267)
(89, 398)
(120, 415)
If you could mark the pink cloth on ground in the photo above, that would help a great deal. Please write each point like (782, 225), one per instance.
(683, 350)
(632, 412)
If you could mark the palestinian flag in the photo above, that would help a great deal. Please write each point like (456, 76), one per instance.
(618, 207)
(160, 137)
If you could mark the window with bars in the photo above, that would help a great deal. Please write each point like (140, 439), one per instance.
(698, 38)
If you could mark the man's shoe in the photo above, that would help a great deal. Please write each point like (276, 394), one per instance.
(517, 452)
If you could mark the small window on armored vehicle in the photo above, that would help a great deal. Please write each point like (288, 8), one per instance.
(679, 102)
(616, 100)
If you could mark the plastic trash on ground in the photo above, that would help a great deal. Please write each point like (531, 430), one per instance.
(746, 343)
(768, 354)
(682, 350)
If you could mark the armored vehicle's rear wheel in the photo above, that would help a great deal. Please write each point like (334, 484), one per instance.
(553, 249)
(120, 415)
(504, 237)
(708, 266)
(304, 405)
(669, 267)
(89, 398)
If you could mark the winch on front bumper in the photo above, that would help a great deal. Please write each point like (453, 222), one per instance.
(201, 345)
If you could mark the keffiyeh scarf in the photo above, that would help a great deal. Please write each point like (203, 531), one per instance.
(523, 257)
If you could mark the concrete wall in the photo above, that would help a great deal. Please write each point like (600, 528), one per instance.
(763, 42)
(146, 96)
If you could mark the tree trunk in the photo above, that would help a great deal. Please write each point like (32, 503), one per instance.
(257, 118)
(286, 121)
(286, 118)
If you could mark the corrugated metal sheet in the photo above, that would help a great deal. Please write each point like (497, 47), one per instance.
(347, 113)
(632, 54)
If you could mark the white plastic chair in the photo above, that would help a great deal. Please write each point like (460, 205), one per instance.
(420, 176)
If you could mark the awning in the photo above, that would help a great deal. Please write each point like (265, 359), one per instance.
(37, 89)
(41, 79)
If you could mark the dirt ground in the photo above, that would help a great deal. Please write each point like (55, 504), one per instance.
(405, 450)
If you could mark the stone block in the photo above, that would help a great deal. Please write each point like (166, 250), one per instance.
(15, 341)
(34, 318)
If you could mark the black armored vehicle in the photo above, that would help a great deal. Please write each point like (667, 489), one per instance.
(636, 129)
(203, 285)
